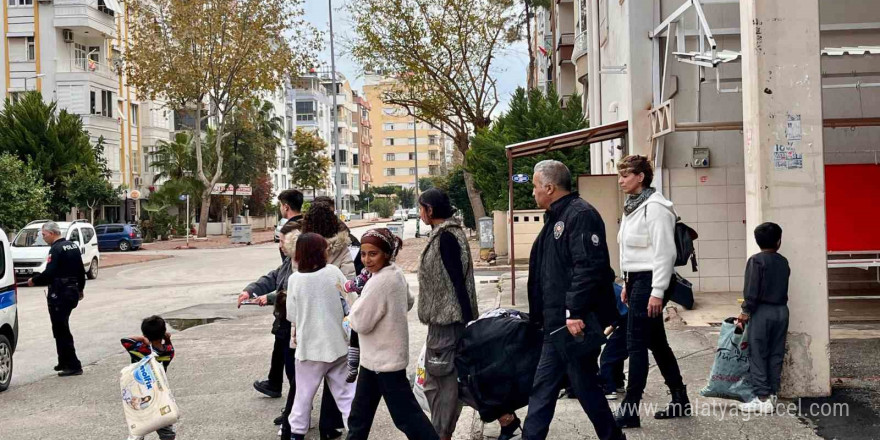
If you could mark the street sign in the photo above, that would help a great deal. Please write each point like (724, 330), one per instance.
(223, 189)
(520, 178)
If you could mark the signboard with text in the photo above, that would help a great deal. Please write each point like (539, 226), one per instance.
(223, 189)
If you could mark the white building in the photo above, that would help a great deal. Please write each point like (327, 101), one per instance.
(71, 51)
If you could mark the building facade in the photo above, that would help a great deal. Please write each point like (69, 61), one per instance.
(71, 51)
(363, 161)
(397, 137)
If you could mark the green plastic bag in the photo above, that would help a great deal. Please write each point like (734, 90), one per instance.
(729, 378)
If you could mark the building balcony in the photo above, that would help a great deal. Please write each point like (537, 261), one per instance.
(84, 16)
(84, 70)
(581, 45)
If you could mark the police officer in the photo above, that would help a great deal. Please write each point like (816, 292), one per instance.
(66, 279)
(571, 297)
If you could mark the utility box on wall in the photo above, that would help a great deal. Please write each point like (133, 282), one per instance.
(701, 158)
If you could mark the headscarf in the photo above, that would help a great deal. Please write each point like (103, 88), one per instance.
(383, 239)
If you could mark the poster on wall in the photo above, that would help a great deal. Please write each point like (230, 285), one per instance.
(786, 157)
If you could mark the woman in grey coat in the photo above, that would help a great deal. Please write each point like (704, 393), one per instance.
(447, 302)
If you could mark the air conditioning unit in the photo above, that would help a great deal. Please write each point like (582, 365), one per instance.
(68, 35)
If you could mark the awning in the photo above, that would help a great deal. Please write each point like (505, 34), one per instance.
(568, 140)
(858, 50)
(113, 5)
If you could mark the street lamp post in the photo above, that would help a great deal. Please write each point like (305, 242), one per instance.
(416, 152)
(337, 179)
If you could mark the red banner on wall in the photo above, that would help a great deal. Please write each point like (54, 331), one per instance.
(852, 205)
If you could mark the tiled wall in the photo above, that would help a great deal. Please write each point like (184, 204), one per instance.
(712, 201)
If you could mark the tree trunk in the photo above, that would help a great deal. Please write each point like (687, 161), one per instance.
(203, 212)
(473, 194)
(531, 78)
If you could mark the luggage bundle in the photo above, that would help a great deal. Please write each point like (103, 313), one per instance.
(496, 360)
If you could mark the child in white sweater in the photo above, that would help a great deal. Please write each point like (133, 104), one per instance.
(379, 317)
(315, 312)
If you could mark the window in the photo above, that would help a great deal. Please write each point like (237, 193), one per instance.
(355, 160)
(102, 6)
(603, 22)
(412, 156)
(15, 96)
(412, 171)
(389, 157)
(74, 236)
(79, 56)
(389, 141)
(305, 110)
(106, 103)
(135, 115)
(388, 126)
(432, 155)
(88, 234)
(31, 49)
(390, 172)
(343, 179)
(434, 170)
(21, 2)
(432, 139)
(115, 229)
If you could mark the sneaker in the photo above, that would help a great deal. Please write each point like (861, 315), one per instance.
(611, 395)
(266, 388)
(278, 420)
(757, 406)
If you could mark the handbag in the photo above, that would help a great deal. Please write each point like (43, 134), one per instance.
(681, 291)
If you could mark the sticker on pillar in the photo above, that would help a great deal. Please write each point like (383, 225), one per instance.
(786, 157)
(793, 128)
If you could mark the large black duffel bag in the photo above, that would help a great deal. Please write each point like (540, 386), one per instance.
(496, 361)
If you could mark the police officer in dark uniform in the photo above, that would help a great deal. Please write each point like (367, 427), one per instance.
(571, 297)
(66, 279)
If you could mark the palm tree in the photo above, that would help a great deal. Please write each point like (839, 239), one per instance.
(174, 160)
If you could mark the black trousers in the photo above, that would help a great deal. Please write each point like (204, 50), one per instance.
(582, 373)
(767, 330)
(330, 417)
(276, 368)
(645, 333)
(60, 318)
(611, 361)
(408, 417)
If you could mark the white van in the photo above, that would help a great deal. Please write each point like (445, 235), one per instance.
(8, 312)
(30, 252)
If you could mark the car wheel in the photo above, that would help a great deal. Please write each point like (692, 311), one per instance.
(124, 245)
(5, 362)
(93, 269)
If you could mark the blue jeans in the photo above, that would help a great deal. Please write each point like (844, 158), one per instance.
(582, 372)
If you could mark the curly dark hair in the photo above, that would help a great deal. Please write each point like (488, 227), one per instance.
(322, 220)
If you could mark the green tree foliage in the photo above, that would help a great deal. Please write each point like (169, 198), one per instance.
(383, 207)
(386, 190)
(454, 186)
(531, 116)
(88, 191)
(251, 146)
(406, 197)
(310, 165)
(426, 183)
(23, 194)
(53, 142)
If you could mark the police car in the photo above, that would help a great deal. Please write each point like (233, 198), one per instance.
(8, 312)
(30, 253)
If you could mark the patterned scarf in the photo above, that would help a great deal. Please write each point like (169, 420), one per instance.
(633, 201)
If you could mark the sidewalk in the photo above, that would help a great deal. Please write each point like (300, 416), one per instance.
(113, 259)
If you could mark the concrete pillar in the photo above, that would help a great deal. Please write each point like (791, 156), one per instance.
(640, 93)
(784, 170)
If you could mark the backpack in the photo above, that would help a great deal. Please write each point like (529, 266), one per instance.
(684, 237)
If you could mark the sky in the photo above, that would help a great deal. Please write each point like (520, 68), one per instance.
(510, 65)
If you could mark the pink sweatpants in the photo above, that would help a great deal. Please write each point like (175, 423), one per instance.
(308, 380)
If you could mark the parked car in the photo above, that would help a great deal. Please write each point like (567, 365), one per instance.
(278, 229)
(30, 252)
(399, 215)
(119, 236)
(8, 312)
(412, 213)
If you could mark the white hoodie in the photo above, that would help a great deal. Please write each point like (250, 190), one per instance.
(647, 242)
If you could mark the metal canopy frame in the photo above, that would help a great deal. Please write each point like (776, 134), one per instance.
(562, 141)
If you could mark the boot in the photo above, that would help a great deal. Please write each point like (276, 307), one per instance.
(680, 406)
(627, 415)
(509, 431)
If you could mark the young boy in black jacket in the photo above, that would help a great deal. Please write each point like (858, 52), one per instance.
(155, 339)
(765, 312)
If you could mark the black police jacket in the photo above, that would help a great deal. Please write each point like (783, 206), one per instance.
(64, 274)
(569, 269)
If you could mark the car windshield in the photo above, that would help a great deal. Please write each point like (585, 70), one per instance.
(31, 237)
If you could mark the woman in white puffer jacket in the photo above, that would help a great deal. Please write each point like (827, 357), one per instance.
(647, 259)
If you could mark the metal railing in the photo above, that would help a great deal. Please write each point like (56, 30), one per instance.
(581, 44)
(87, 65)
(566, 39)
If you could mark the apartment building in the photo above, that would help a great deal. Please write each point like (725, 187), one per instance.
(312, 97)
(363, 160)
(397, 137)
(71, 51)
